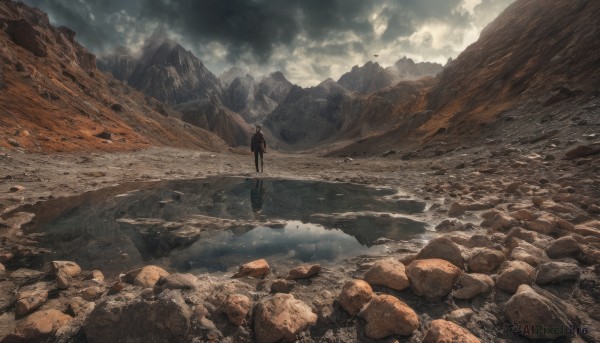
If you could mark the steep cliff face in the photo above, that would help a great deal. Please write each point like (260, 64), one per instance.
(253, 100)
(537, 52)
(372, 77)
(166, 71)
(54, 99)
(531, 74)
(309, 117)
(210, 114)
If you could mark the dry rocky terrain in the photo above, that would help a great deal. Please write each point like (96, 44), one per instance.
(514, 240)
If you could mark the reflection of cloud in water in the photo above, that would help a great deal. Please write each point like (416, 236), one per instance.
(304, 242)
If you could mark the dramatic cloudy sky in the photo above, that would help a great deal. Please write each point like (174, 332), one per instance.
(308, 40)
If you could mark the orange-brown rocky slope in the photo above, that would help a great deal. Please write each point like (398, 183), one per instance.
(532, 75)
(54, 99)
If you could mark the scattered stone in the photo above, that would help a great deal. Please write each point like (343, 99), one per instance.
(458, 208)
(545, 224)
(354, 295)
(116, 287)
(281, 317)
(471, 285)
(282, 286)
(38, 326)
(527, 308)
(95, 276)
(304, 271)
(523, 214)
(79, 306)
(563, 247)
(388, 153)
(92, 293)
(461, 316)
(450, 225)
(582, 151)
(501, 221)
(442, 248)
(479, 241)
(528, 253)
(513, 274)
(14, 143)
(24, 273)
(386, 315)
(444, 331)
(30, 299)
(175, 281)
(485, 261)
(148, 276)
(555, 272)
(105, 135)
(69, 268)
(389, 273)
(256, 269)
(236, 307)
(16, 188)
(63, 280)
(432, 278)
(2, 269)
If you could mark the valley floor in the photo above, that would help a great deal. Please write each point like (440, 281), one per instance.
(468, 184)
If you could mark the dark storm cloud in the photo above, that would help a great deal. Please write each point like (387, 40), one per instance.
(255, 26)
(273, 33)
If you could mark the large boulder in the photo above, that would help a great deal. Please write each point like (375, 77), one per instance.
(536, 316)
(442, 248)
(123, 320)
(563, 247)
(443, 331)
(175, 281)
(386, 315)
(354, 295)
(485, 261)
(471, 285)
(555, 272)
(281, 317)
(389, 273)
(528, 253)
(432, 278)
(38, 326)
(513, 274)
(256, 269)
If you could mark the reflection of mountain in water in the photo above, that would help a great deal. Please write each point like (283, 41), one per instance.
(122, 227)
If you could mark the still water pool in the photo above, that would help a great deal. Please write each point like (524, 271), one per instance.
(218, 223)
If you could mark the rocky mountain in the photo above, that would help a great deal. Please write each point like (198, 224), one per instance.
(212, 115)
(531, 76)
(372, 77)
(309, 116)
(253, 100)
(166, 71)
(406, 69)
(54, 99)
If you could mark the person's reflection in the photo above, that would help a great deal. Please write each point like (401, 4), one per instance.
(256, 196)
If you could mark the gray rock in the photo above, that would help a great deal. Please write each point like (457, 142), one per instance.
(527, 308)
(554, 272)
(563, 247)
(134, 320)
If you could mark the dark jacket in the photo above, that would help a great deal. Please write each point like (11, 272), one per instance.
(258, 142)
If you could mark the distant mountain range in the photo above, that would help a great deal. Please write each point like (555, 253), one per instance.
(518, 69)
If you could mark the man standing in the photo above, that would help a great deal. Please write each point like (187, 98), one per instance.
(258, 145)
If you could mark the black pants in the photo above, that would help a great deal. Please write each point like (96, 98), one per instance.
(256, 153)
